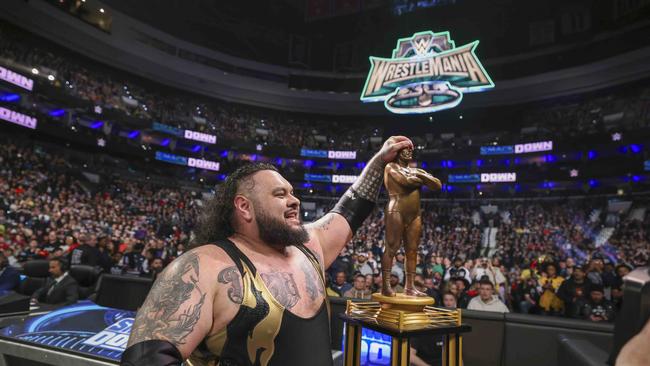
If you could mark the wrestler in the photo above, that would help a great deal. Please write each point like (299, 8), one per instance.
(402, 217)
(252, 290)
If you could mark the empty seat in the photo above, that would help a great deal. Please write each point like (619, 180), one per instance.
(86, 277)
(36, 272)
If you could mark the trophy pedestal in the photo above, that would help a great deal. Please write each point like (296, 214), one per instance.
(402, 317)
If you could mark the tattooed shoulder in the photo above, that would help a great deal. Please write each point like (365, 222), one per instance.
(230, 276)
(173, 306)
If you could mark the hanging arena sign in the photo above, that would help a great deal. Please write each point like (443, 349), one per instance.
(427, 73)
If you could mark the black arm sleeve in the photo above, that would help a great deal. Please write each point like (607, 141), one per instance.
(152, 353)
(359, 200)
(354, 209)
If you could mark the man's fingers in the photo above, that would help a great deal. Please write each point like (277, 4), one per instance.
(399, 138)
(402, 145)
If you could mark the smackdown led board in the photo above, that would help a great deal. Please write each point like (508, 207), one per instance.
(375, 348)
(427, 73)
(84, 328)
(16, 79)
(18, 118)
(328, 154)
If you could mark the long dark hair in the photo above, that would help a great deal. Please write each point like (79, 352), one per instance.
(215, 221)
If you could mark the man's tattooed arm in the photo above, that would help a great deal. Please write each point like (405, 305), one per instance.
(283, 288)
(173, 307)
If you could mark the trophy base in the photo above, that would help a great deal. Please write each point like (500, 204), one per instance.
(403, 311)
(402, 317)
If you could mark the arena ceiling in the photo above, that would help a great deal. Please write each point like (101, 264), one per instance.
(339, 35)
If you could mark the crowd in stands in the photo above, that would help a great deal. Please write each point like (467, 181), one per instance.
(120, 226)
(112, 90)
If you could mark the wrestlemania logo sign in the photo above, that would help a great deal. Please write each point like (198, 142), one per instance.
(427, 73)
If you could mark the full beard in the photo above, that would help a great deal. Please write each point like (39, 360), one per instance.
(278, 233)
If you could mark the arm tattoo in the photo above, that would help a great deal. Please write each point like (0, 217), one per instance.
(159, 316)
(282, 287)
(312, 282)
(231, 275)
(325, 225)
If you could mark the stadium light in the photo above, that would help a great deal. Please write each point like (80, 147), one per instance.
(50, 77)
(35, 71)
(101, 10)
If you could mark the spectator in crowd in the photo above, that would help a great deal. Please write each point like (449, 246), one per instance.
(597, 308)
(462, 286)
(133, 261)
(449, 300)
(359, 290)
(617, 287)
(86, 253)
(328, 288)
(530, 295)
(342, 263)
(59, 289)
(574, 291)
(11, 259)
(370, 283)
(398, 266)
(435, 266)
(595, 270)
(52, 242)
(155, 268)
(340, 285)
(104, 246)
(32, 252)
(550, 283)
(9, 276)
(486, 300)
(395, 283)
(431, 290)
(458, 270)
(362, 266)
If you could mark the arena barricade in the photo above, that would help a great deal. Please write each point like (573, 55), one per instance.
(531, 340)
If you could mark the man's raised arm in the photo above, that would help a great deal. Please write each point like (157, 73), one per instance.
(336, 228)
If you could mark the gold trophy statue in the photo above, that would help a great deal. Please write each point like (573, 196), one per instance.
(402, 217)
(405, 315)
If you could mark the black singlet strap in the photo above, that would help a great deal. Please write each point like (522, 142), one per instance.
(236, 255)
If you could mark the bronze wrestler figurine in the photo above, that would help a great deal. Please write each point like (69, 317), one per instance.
(402, 215)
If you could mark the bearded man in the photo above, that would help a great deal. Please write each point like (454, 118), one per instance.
(252, 291)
